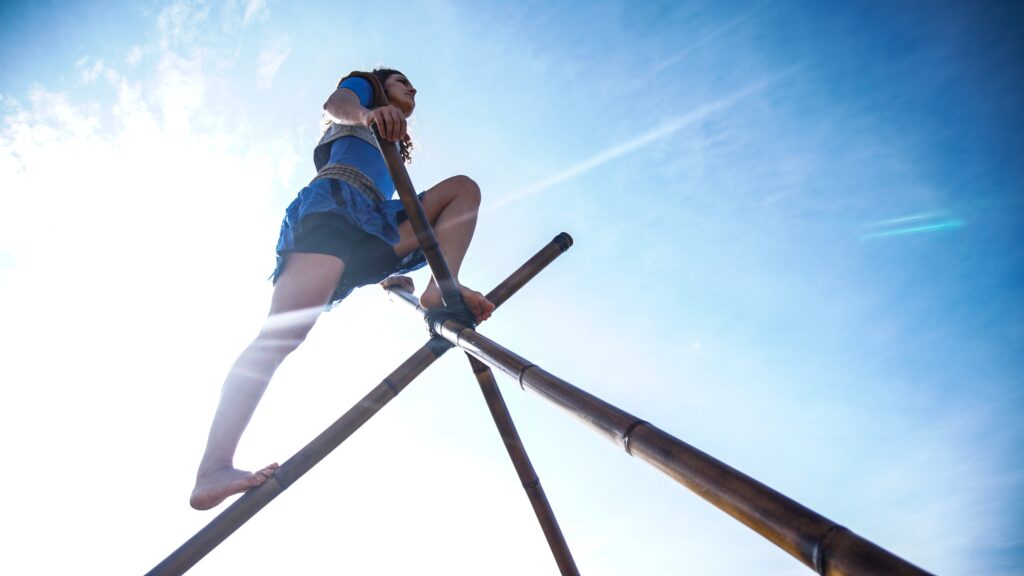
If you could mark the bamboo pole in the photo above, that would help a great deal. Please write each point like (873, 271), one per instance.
(240, 511)
(524, 469)
(450, 294)
(546, 255)
(818, 542)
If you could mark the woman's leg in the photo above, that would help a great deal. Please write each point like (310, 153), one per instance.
(451, 207)
(300, 294)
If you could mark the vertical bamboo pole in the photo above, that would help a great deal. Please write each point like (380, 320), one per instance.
(527, 475)
(816, 541)
(499, 410)
(503, 419)
(450, 294)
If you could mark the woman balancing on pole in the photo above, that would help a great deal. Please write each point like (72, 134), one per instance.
(343, 231)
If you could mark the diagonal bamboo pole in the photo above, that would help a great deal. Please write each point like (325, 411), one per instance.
(240, 511)
(509, 286)
(818, 542)
(499, 410)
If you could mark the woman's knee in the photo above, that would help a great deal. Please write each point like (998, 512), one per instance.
(466, 189)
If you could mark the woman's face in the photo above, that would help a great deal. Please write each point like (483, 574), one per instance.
(401, 94)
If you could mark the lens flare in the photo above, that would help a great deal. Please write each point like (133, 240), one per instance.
(914, 224)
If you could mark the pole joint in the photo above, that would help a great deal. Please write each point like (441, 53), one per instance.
(435, 318)
(531, 484)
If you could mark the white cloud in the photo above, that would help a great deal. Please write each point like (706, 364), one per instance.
(255, 9)
(270, 60)
(88, 70)
(132, 229)
(180, 21)
(134, 55)
(181, 87)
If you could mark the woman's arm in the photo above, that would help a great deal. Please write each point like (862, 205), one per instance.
(343, 107)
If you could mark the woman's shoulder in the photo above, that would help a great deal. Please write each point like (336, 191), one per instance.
(361, 86)
(354, 81)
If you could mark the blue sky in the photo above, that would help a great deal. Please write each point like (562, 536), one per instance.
(798, 248)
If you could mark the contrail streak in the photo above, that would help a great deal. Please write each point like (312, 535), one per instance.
(667, 128)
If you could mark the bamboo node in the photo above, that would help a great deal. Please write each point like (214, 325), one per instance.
(628, 435)
(522, 374)
(820, 554)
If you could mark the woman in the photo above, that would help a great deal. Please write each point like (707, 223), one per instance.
(342, 231)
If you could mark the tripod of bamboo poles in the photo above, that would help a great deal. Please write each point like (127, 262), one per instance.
(250, 503)
(821, 544)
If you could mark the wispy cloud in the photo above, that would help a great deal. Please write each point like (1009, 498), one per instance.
(270, 61)
(134, 55)
(158, 119)
(181, 20)
(704, 40)
(89, 70)
(254, 9)
(183, 87)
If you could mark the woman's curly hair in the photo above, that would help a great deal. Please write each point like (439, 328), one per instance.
(405, 146)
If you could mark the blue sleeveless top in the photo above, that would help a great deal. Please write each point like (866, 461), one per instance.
(358, 152)
(343, 195)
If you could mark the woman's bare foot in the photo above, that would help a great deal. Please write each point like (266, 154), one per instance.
(213, 487)
(477, 303)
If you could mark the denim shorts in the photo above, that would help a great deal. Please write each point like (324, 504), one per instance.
(368, 259)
